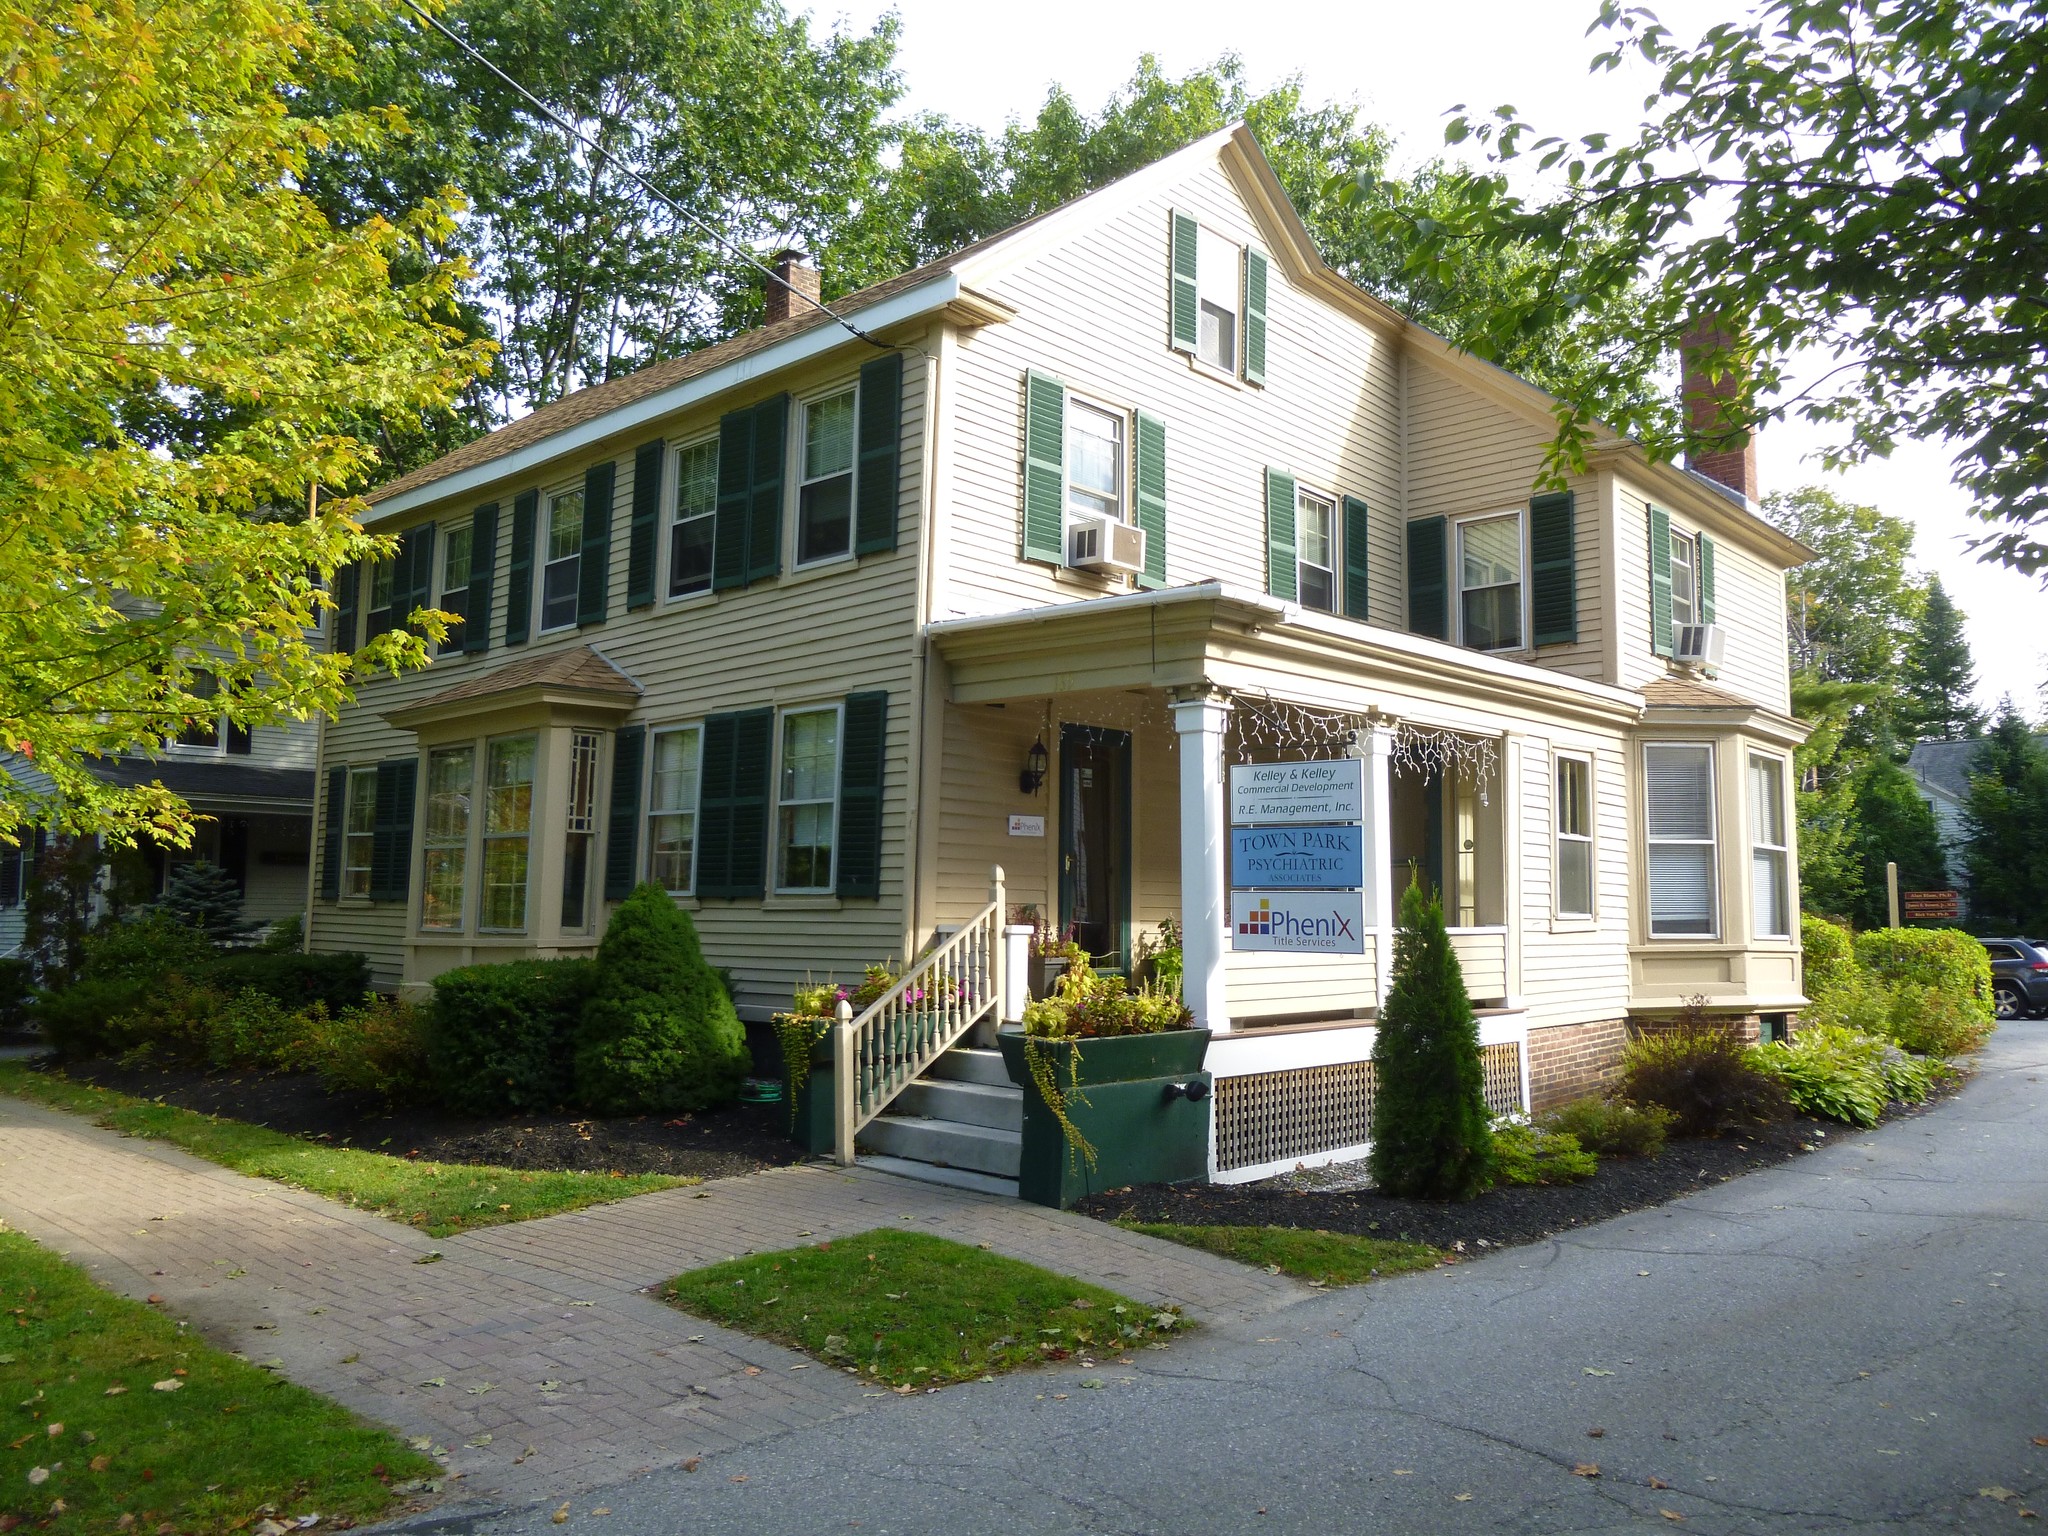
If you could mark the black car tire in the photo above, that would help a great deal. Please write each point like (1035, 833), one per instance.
(2006, 1001)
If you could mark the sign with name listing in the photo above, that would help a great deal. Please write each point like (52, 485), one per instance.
(1302, 858)
(1297, 794)
(1933, 906)
(1298, 922)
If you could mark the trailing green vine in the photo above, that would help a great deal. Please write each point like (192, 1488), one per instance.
(1040, 1060)
(798, 1034)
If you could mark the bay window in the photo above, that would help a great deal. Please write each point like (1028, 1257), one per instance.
(1769, 882)
(1678, 796)
(807, 800)
(581, 829)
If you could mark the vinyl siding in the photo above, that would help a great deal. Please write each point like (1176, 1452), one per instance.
(807, 637)
(1574, 971)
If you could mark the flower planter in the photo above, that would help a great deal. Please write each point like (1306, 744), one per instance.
(811, 1127)
(1140, 1136)
(1046, 970)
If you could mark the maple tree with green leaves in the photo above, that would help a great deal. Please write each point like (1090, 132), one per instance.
(189, 352)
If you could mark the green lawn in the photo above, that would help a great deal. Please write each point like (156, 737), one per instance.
(439, 1198)
(911, 1310)
(95, 1431)
(1332, 1258)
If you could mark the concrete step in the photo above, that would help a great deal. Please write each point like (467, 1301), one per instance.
(932, 1173)
(962, 1065)
(980, 1148)
(967, 1103)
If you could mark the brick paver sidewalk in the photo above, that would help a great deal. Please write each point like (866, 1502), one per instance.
(529, 1352)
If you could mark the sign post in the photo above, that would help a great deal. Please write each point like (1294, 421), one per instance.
(1891, 891)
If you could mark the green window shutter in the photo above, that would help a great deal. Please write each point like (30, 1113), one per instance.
(1151, 485)
(1357, 548)
(764, 497)
(1282, 574)
(330, 841)
(622, 827)
(347, 585)
(594, 569)
(863, 756)
(1553, 569)
(879, 437)
(1660, 581)
(1186, 318)
(519, 581)
(1429, 578)
(391, 841)
(1257, 275)
(483, 574)
(646, 525)
(735, 471)
(421, 594)
(1045, 468)
(1706, 580)
(714, 806)
(732, 815)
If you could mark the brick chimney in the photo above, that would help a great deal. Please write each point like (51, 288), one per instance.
(1732, 461)
(793, 269)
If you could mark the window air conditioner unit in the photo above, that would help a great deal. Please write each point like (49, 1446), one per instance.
(1105, 544)
(1701, 645)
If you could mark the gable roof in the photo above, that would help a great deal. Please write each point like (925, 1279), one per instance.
(1944, 767)
(580, 668)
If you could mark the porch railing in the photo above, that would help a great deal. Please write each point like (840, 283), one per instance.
(877, 1053)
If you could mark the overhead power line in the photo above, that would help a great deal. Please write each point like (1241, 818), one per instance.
(713, 233)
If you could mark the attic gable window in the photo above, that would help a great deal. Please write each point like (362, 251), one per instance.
(1217, 291)
(1218, 300)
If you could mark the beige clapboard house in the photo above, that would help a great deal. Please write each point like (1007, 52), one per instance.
(815, 628)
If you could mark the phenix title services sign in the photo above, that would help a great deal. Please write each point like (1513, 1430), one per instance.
(1297, 865)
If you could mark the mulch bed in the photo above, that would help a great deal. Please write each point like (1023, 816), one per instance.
(1499, 1218)
(743, 1138)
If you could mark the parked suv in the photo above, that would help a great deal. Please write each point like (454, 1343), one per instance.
(2019, 977)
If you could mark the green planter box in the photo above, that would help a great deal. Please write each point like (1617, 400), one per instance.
(812, 1128)
(1140, 1136)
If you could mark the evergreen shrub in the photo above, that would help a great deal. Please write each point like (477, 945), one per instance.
(1611, 1127)
(1532, 1154)
(502, 1037)
(659, 1033)
(17, 992)
(1430, 1127)
(204, 899)
(335, 981)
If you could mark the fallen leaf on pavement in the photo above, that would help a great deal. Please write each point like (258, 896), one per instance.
(1595, 1433)
(2041, 1439)
(1462, 1498)
(738, 1478)
(1658, 1482)
(1590, 1371)
(2000, 1494)
(1670, 1514)
(430, 1258)
(560, 1516)
(692, 1463)
(1586, 1469)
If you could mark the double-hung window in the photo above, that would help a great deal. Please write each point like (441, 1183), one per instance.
(694, 519)
(451, 785)
(202, 733)
(581, 833)
(1770, 893)
(807, 800)
(383, 592)
(1574, 894)
(508, 831)
(456, 558)
(1685, 578)
(672, 809)
(1095, 461)
(359, 836)
(1678, 796)
(824, 507)
(1315, 533)
(1217, 273)
(1490, 582)
(563, 569)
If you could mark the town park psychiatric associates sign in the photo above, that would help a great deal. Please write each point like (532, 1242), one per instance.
(1297, 870)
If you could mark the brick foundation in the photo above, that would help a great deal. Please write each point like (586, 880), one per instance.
(1747, 1026)
(1569, 1061)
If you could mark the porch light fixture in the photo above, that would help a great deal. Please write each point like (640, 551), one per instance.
(1035, 764)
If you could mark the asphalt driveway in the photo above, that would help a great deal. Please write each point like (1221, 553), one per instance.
(1855, 1341)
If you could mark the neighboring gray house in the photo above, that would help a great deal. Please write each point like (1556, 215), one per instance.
(1941, 772)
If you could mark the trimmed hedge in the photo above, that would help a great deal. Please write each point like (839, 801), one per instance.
(1945, 959)
(502, 1037)
(1830, 957)
(296, 980)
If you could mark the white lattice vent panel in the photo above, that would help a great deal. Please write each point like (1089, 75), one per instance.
(1502, 1068)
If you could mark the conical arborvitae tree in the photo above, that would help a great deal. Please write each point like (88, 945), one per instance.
(659, 1033)
(1431, 1133)
(205, 898)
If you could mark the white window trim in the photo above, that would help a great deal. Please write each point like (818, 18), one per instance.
(649, 810)
(357, 775)
(1207, 290)
(1336, 503)
(1591, 840)
(837, 709)
(484, 836)
(541, 562)
(1692, 597)
(1455, 558)
(671, 504)
(794, 499)
(1126, 460)
(1783, 850)
(1714, 845)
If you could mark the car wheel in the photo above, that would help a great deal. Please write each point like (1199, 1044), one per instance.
(2006, 1001)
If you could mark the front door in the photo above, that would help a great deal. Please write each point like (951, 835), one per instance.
(1095, 842)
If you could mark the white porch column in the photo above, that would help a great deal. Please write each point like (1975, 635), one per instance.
(1376, 746)
(1204, 879)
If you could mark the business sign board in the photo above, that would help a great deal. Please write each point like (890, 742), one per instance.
(1298, 922)
(1301, 858)
(1933, 906)
(1297, 794)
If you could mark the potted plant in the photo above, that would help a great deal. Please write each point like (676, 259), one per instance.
(1114, 1091)
(1050, 954)
(805, 1035)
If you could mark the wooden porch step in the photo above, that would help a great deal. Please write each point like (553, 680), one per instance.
(947, 1143)
(965, 1065)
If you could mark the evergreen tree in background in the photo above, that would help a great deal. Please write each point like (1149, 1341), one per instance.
(1431, 1133)
(1939, 675)
(204, 898)
(2005, 824)
(1894, 824)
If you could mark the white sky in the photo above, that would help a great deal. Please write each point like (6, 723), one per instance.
(1406, 65)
